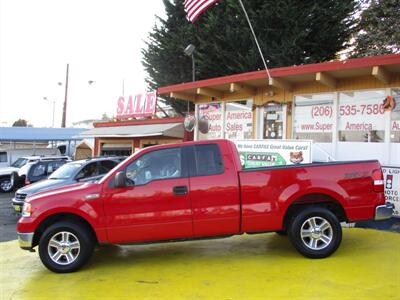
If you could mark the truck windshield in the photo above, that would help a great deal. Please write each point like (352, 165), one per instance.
(19, 162)
(66, 171)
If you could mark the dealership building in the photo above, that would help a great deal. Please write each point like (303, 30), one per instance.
(350, 108)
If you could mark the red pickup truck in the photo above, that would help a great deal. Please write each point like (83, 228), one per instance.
(196, 190)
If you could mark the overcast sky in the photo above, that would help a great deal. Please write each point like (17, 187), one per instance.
(101, 40)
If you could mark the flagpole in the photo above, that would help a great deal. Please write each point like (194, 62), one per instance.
(255, 38)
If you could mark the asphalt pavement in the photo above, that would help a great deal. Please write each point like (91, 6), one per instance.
(8, 218)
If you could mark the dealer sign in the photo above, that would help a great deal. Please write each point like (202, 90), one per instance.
(140, 105)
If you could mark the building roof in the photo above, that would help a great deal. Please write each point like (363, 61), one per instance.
(33, 134)
(383, 68)
(168, 129)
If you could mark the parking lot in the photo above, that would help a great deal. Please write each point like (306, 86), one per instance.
(8, 218)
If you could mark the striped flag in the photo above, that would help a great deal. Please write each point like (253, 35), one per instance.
(194, 8)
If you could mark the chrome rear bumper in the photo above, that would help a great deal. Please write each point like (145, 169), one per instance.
(383, 212)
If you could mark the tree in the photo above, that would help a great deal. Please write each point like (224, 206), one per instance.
(379, 29)
(20, 123)
(290, 32)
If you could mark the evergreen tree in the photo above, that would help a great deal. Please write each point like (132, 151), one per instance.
(379, 29)
(290, 32)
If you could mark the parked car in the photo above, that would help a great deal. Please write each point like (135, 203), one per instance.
(195, 190)
(7, 184)
(70, 173)
(35, 171)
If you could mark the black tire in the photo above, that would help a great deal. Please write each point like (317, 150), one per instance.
(5, 185)
(317, 241)
(16, 180)
(56, 232)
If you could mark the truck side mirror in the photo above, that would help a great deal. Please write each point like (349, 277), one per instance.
(120, 180)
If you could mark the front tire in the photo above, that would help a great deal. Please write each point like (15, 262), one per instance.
(6, 185)
(315, 232)
(65, 246)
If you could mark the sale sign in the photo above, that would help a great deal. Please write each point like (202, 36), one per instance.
(313, 118)
(140, 105)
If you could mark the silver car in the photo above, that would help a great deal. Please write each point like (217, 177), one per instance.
(77, 171)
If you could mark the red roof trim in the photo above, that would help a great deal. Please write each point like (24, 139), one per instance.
(286, 71)
(139, 122)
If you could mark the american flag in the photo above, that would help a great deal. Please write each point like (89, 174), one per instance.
(194, 8)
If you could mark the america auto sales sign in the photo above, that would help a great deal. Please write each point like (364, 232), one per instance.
(139, 105)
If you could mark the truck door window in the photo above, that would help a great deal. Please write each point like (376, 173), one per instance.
(208, 160)
(158, 164)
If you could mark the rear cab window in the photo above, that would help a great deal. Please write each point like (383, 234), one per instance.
(208, 160)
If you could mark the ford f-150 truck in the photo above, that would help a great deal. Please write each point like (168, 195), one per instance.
(197, 190)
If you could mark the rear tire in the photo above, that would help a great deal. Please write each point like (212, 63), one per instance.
(65, 246)
(315, 232)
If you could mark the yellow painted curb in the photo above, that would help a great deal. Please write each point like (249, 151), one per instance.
(366, 266)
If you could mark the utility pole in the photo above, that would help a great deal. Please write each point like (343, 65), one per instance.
(64, 115)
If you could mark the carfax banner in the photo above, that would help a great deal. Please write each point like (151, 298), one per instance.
(392, 187)
(267, 153)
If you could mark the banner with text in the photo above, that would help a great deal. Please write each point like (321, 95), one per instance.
(267, 153)
(238, 121)
(392, 187)
(140, 105)
(212, 114)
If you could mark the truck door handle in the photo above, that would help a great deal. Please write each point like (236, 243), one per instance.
(180, 190)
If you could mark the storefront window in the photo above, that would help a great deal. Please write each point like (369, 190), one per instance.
(313, 117)
(395, 117)
(361, 116)
(230, 120)
(239, 120)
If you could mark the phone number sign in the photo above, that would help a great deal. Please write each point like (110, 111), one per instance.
(358, 114)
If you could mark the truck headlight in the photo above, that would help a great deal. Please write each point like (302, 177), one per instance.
(26, 210)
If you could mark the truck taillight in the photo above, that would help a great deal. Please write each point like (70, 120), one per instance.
(377, 177)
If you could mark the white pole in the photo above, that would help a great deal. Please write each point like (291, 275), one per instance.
(255, 38)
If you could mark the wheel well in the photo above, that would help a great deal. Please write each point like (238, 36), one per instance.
(5, 177)
(320, 200)
(61, 217)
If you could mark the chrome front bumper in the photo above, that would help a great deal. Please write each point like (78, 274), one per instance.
(25, 240)
(384, 212)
